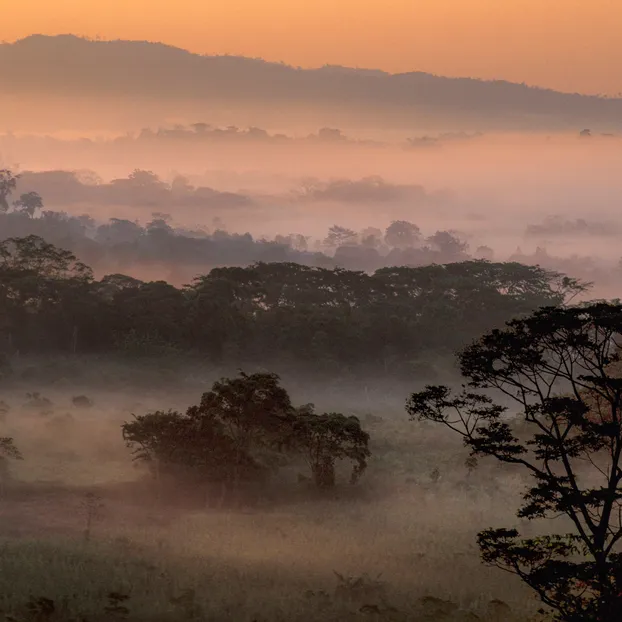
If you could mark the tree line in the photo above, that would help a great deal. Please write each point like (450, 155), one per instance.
(390, 321)
(179, 252)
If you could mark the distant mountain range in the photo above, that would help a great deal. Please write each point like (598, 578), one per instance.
(69, 65)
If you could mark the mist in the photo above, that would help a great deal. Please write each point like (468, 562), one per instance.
(517, 195)
(332, 239)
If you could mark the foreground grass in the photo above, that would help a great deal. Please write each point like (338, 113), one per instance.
(392, 550)
(301, 566)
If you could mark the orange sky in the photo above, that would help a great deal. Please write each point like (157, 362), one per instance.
(572, 45)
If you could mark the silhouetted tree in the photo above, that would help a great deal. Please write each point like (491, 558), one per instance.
(338, 236)
(371, 237)
(449, 246)
(561, 366)
(8, 182)
(402, 234)
(254, 409)
(119, 231)
(28, 203)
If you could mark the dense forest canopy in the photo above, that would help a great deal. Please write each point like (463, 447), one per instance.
(325, 319)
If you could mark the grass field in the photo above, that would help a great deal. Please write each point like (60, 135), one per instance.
(397, 547)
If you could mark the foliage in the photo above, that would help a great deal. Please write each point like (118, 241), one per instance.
(339, 236)
(561, 366)
(348, 321)
(402, 234)
(8, 183)
(82, 401)
(98, 583)
(324, 439)
(28, 203)
(242, 429)
(191, 250)
(8, 449)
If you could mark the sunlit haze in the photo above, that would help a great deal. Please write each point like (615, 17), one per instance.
(310, 310)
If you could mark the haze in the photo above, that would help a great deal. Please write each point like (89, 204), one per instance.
(248, 249)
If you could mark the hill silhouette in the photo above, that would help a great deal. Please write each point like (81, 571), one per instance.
(71, 66)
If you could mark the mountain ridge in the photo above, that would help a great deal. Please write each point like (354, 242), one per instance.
(71, 65)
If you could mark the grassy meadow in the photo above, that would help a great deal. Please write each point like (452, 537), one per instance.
(86, 534)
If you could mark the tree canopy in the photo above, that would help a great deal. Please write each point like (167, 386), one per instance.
(282, 310)
(242, 430)
(332, 319)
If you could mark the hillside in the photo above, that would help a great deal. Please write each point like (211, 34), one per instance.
(68, 65)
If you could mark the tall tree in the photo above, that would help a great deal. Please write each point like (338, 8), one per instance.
(338, 236)
(28, 203)
(561, 366)
(402, 234)
(8, 183)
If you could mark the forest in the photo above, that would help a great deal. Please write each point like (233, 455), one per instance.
(390, 322)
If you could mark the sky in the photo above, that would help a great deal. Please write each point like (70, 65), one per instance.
(569, 45)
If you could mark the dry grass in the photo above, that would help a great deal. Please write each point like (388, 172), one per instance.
(388, 553)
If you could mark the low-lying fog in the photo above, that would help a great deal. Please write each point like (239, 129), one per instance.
(523, 196)
(408, 530)
(551, 201)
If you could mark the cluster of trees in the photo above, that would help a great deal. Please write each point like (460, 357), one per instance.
(123, 245)
(241, 432)
(333, 319)
(123, 242)
(559, 226)
(198, 133)
(28, 202)
(369, 189)
(140, 188)
(196, 136)
(402, 243)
